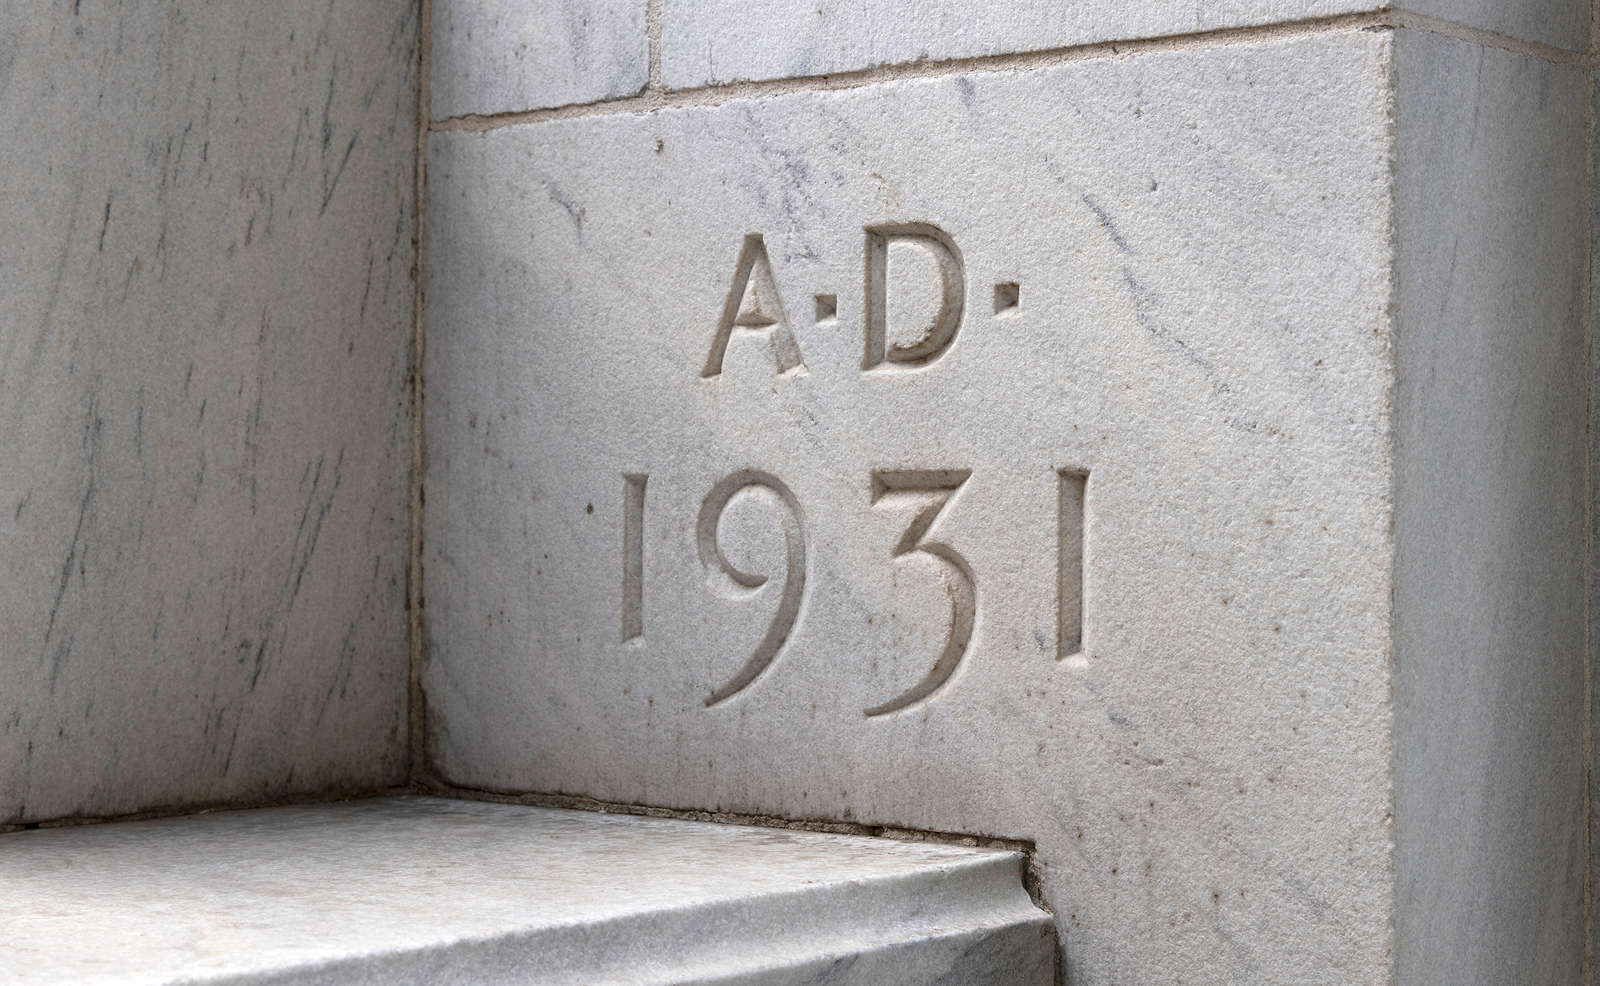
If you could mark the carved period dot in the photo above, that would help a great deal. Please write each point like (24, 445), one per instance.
(1005, 297)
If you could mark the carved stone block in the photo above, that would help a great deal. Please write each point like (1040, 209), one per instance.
(1174, 459)
(1069, 521)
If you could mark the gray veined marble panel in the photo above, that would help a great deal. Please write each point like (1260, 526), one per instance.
(1003, 453)
(207, 274)
(1561, 23)
(1489, 606)
(408, 890)
(490, 56)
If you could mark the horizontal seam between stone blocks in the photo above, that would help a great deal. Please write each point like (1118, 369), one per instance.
(438, 788)
(712, 95)
(1489, 39)
(655, 98)
(208, 807)
(1032, 878)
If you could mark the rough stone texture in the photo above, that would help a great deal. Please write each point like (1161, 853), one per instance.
(492, 57)
(713, 42)
(1489, 569)
(409, 890)
(203, 388)
(1201, 325)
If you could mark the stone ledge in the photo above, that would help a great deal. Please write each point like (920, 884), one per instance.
(412, 889)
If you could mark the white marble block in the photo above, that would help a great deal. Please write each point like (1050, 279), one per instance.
(1489, 502)
(461, 893)
(716, 42)
(494, 57)
(204, 392)
(1174, 460)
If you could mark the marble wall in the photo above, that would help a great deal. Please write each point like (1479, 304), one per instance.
(783, 635)
(715, 42)
(1168, 455)
(491, 57)
(207, 277)
(1490, 670)
(1172, 455)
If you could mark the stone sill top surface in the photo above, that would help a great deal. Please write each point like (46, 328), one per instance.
(425, 889)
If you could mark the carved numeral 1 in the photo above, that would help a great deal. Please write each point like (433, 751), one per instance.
(633, 555)
(1069, 606)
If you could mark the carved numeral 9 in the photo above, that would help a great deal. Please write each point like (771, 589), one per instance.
(794, 577)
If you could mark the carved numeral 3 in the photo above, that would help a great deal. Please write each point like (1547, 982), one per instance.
(931, 491)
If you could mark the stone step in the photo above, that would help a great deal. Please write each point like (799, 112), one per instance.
(438, 891)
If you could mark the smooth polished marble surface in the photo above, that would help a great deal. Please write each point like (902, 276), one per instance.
(204, 373)
(1003, 453)
(1491, 398)
(490, 56)
(409, 890)
(1559, 23)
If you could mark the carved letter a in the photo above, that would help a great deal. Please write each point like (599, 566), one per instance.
(753, 305)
